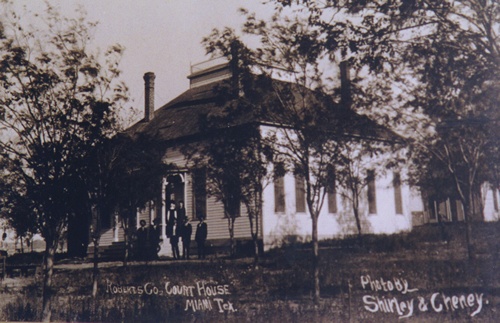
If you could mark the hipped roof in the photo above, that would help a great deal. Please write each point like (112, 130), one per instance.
(186, 115)
(180, 117)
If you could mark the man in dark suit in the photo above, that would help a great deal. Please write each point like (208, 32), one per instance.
(155, 238)
(174, 239)
(181, 210)
(142, 241)
(171, 219)
(186, 232)
(201, 237)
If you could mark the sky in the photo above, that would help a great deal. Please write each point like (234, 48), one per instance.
(160, 36)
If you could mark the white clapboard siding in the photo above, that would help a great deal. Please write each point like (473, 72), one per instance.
(107, 237)
(175, 157)
(218, 223)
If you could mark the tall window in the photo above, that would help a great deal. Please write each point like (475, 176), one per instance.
(233, 195)
(433, 209)
(279, 195)
(495, 198)
(331, 189)
(398, 200)
(300, 192)
(372, 197)
(199, 193)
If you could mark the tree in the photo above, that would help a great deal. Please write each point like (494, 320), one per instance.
(358, 164)
(101, 164)
(302, 141)
(57, 102)
(312, 119)
(255, 179)
(235, 171)
(309, 152)
(135, 177)
(234, 157)
(96, 169)
(444, 58)
(14, 203)
(459, 94)
(221, 159)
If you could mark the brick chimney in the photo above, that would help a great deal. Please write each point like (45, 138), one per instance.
(149, 96)
(345, 85)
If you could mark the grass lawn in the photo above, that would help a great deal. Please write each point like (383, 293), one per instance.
(416, 277)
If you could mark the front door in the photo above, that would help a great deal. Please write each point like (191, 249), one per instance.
(175, 188)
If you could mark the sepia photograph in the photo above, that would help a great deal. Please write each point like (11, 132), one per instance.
(249, 161)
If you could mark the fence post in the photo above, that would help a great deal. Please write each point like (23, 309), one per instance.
(349, 287)
(3, 266)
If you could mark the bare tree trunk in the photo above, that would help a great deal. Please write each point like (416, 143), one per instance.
(355, 208)
(95, 271)
(256, 254)
(47, 293)
(96, 237)
(316, 295)
(468, 230)
(255, 237)
(125, 221)
(466, 199)
(230, 226)
(127, 246)
(477, 208)
(254, 231)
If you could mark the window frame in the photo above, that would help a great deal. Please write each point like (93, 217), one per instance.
(199, 190)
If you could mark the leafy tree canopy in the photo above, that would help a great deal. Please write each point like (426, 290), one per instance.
(59, 102)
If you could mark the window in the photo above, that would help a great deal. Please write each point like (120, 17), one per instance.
(234, 206)
(398, 200)
(199, 193)
(331, 189)
(279, 195)
(300, 192)
(372, 197)
(233, 195)
(495, 198)
(433, 209)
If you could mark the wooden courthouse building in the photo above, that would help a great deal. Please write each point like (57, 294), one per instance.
(388, 204)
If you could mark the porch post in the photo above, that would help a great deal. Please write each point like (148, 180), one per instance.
(137, 218)
(164, 209)
(116, 227)
(151, 212)
(165, 250)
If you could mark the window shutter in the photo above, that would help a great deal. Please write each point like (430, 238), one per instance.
(300, 192)
(398, 199)
(279, 195)
(332, 191)
(200, 193)
(372, 195)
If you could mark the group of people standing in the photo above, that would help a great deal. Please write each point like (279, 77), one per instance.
(177, 228)
(148, 241)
